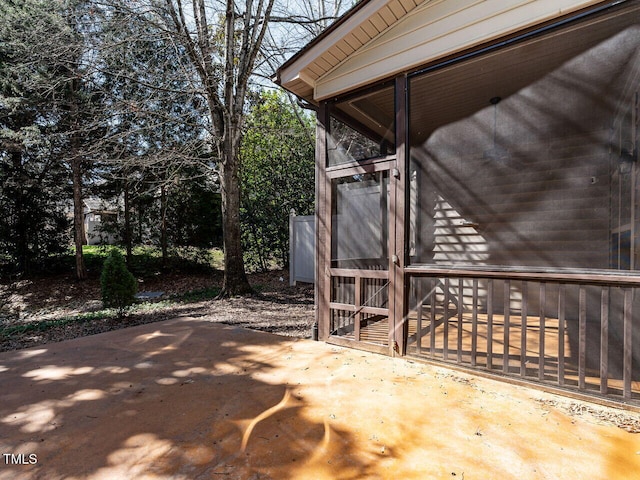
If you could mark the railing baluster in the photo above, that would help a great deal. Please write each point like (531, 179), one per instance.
(432, 327)
(561, 328)
(628, 343)
(541, 338)
(604, 341)
(582, 338)
(523, 333)
(357, 318)
(445, 345)
(474, 322)
(419, 310)
(490, 324)
(507, 313)
(460, 308)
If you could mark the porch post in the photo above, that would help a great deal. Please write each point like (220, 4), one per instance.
(322, 224)
(398, 296)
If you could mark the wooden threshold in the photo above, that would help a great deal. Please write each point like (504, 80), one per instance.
(351, 343)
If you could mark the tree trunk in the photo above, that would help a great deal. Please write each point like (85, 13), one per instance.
(76, 175)
(127, 224)
(22, 234)
(163, 224)
(235, 279)
(140, 211)
(78, 217)
(241, 47)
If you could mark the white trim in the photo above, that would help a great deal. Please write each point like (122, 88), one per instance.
(291, 72)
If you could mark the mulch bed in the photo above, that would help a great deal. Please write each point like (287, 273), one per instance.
(275, 307)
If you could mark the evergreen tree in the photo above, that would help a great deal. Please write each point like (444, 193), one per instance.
(48, 110)
(32, 178)
(118, 285)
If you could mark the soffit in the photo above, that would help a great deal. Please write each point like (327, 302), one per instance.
(545, 63)
(460, 91)
(354, 30)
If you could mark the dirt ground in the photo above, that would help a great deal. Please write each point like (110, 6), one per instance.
(276, 307)
(193, 399)
(185, 394)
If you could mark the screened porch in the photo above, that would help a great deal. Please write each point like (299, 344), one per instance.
(492, 202)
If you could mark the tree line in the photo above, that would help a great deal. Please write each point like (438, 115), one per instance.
(161, 108)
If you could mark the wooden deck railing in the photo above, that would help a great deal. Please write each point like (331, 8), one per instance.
(572, 330)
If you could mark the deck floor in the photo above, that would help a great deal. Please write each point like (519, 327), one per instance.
(376, 332)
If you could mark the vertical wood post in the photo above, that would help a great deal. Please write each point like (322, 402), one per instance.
(523, 328)
(445, 320)
(628, 342)
(419, 312)
(541, 338)
(474, 322)
(432, 320)
(582, 337)
(489, 324)
(604, 341)
(460, 308)
(507, 320)
(357, 300)
(323, 231)
(398, 327)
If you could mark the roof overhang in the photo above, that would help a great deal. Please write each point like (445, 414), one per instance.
(379, 39)
(356, 28)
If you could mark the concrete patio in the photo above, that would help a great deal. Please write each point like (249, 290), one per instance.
(189, 399)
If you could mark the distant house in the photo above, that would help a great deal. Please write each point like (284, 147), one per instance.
(100, 221)
(477, 186)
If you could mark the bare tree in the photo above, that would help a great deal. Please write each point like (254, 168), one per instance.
(222, 45)
(222, 42)
(218, 47)
(306, 19)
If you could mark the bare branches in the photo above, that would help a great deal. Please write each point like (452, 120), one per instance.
(153, 91)
(181, 34)
(303, 20)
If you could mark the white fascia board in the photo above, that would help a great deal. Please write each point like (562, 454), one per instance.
(293, 71)
(436, 30)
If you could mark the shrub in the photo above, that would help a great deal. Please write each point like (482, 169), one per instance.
(117, 283)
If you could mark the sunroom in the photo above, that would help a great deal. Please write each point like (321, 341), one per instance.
(476, 186)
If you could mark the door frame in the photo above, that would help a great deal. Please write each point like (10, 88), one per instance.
(396, 166)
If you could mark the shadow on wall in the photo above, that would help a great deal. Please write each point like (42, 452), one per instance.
(535, 180)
